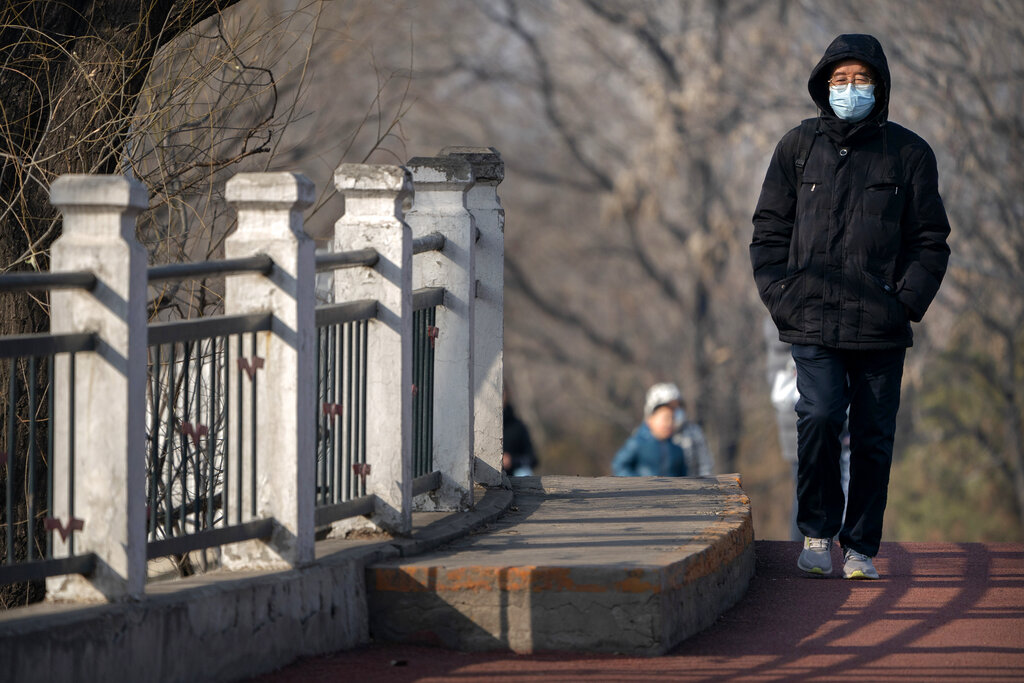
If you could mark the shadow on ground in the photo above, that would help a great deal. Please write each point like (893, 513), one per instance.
(941, 612)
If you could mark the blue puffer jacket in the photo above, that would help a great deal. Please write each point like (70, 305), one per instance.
(644, 456)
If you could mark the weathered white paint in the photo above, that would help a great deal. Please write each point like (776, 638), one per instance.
(440, 206)
(373, 218)
(489, 329)
(269, 209)
(110, 384)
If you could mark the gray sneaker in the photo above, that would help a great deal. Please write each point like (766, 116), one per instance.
(816, 557)
(857, 566)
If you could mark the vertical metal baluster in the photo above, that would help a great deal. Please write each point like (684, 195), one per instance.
(253, 426)
(330, 424)
(49, 452)
(349, 460)
(417, 400)
(169, 440)
(12, 398)
(185, 417)
(337, 374)
(318, 418)
(30, 518)
(71, 450)
(225, 430)
(357, 481)
(154, 436)
(197, 410)
(365, 328)
(428, 443)
(186, 353)
(322, 336)
(241, 440)
(199, 468)
(211, 441)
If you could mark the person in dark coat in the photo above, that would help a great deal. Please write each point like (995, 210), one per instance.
(518, 458)
(849, 248)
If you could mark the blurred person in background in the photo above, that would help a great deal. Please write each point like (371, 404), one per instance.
(518, 458)
(689, 436)
(652, 449)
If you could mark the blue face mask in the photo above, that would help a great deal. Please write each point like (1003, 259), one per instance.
(851, 102)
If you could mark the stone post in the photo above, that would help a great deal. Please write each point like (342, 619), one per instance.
(441, 184)
(488, 328)
(107, 514)
(373, 218)
(269, 209)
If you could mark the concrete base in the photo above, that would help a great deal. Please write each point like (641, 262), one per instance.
(224, 625)
(629, 566)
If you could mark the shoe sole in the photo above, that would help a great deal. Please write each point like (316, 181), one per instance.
(858, 575)
(814, 569)
(816, 572)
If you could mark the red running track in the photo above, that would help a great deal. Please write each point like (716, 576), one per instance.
(941, 612)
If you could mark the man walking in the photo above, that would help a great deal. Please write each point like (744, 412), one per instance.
(849, 248)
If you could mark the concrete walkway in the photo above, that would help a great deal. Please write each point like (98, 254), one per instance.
(941, 612)
(558, 563)
(626, 565)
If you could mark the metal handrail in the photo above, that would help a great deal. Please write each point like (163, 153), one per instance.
(326, 514)
(431, 481)
(349, 312)
(203, 328)
(21, 282)
(347, 259)
(16, 345)
(183, 271)
(435, 241)
(209, 538)
(427, 298)
(37, 570)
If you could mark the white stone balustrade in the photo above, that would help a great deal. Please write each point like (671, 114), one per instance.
(455, 195)
(373, 218)
(269, 209)
(108, 496)
(441, 184)
(488, 327)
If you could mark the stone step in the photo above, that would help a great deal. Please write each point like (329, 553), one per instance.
(625, 565)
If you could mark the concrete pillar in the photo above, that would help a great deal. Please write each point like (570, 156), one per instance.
(108, 506)
(441, 184)
(269, 209)
(488, 326)
(373, 218)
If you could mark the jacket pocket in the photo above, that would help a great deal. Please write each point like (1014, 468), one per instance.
(885, 310)
(785, 301)
(884, 199)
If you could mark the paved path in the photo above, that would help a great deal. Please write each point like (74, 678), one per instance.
(941, 612)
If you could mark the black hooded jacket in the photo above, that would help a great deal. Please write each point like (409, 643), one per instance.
(850, 251)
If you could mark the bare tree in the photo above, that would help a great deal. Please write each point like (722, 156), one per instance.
(636, 136)
(178, 94)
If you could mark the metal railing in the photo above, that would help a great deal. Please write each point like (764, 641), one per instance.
(195, 490)
(27, 461)
(341, 399)
(424, 334)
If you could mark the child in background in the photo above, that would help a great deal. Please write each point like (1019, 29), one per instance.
(650, 450)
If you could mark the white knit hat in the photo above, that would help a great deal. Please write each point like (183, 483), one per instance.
(659, 395)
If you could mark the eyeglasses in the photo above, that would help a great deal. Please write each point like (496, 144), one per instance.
(858, 80)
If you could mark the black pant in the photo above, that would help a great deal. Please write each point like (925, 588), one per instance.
(830, 381)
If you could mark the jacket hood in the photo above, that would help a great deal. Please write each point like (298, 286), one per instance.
(852, 46)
